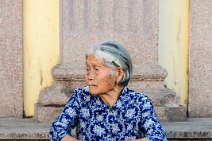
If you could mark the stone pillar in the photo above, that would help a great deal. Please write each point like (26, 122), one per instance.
(134, 23)
(11, 59)
(200, 64)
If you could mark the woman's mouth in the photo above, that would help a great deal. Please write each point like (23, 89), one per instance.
(92, 85)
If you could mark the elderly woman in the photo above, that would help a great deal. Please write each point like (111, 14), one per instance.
(106, 109)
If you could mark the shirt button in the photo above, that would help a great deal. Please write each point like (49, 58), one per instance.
(111, 118)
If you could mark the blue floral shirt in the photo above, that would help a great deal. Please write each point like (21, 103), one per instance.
(132, 117)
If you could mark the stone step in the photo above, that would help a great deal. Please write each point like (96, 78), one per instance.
(193, 129)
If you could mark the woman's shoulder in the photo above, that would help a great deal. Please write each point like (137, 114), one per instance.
(139, 96)
(81, 93)
(84, 89)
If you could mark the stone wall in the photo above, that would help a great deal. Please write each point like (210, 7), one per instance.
(200, 61)
(11, 59)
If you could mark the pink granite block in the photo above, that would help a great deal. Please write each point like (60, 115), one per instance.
(200, 64)
(132, 23)
(11, 59)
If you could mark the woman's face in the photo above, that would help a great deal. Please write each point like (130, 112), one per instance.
(98, 76)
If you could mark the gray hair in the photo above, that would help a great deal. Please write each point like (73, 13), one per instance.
(114, 55)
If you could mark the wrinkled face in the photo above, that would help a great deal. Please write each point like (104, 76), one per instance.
(99, 76)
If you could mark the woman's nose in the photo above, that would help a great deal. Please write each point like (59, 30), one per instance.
(90, 75)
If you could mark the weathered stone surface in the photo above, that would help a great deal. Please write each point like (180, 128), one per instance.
(200, 59)
(141, 72)
(23, 129)
(171, 113)
(47, 113)
(147, 84)
(132, 23)
(53, 97)
(162, 97)
(193, 128)
(11, 59)
(148, 76)
(68, 72)
(167, 104)
(152, 72)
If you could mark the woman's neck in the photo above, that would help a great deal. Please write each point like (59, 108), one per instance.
(112, 96)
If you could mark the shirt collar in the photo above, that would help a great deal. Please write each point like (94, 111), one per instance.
(123, 100)
(121, 104)
(98, 104)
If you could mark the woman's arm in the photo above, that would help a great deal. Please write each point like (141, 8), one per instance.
(152, 128)
(69, 138)
(143, 139)
(67, 119)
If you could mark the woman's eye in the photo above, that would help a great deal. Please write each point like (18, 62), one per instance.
(87, 69)
(96, 69)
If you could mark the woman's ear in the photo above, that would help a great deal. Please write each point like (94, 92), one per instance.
(119, 74)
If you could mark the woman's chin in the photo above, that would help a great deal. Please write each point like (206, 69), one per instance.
(93, 92)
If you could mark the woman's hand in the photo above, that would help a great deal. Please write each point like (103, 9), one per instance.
(143, 139)
(69, 138)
